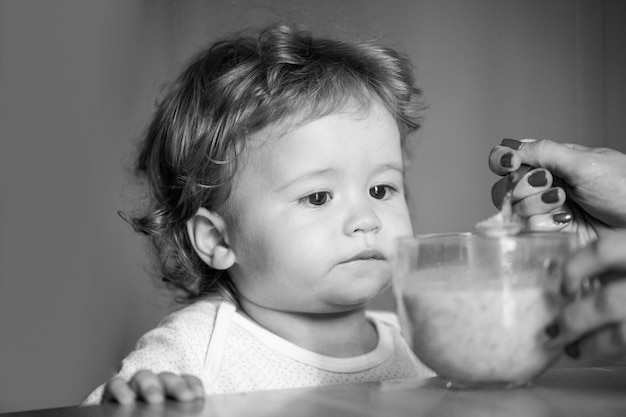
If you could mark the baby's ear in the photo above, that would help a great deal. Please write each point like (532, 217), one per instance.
(207, 233)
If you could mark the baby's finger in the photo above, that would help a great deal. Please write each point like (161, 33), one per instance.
(195, 385)
(542, 203)
(176, 387)
(601, 256)
(148, 387)
(117, 390)
(549, 222)
(607, 343)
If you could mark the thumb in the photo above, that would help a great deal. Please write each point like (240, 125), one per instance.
(560, 159)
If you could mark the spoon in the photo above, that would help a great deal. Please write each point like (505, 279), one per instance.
(504, 223)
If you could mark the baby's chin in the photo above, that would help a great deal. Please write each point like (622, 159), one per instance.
(360, 300)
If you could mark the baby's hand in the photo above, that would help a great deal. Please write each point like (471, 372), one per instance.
(153, 389)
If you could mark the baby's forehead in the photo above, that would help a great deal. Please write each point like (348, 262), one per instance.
(340, 129)
(357, 110)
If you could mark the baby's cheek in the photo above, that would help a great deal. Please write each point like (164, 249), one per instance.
(399, 225)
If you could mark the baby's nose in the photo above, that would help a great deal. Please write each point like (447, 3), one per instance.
(363, 220)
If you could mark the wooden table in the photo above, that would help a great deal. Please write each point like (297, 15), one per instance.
(573, 392)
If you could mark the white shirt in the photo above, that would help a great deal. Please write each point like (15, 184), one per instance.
(230, 353)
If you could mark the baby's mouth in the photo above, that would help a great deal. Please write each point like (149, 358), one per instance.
(367, 255)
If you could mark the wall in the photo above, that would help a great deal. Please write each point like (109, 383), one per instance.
(78, 80)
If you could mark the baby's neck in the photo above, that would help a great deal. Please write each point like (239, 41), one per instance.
(345, 334)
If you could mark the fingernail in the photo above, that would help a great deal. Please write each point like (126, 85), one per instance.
(562, 217)
(572, 350)
(505, 160)
(511, 143)
(538, 178)
(553, 330)
(551, 196)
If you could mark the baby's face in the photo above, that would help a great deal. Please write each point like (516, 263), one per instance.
(314, 213)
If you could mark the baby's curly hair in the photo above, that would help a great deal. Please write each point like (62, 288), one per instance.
(233, 89)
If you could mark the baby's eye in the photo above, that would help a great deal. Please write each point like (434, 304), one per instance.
(317, 199)
(381, 192)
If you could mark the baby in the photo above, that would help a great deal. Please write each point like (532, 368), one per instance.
(276, 170)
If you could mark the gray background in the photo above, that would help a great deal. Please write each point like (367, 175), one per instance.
(78, 80)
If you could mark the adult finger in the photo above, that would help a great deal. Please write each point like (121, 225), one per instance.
(592, 314)
(602, 307)
(560, 159)
(148, 387)
(607, 343)
(117, 390)
(530, 181)
(578, 147)
(550, 222)
(503, 160)
(603, 255)
(499, 190)
(544, 202)
(509, 183)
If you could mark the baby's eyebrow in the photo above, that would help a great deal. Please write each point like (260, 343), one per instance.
(328, 172)
(331, 172)
(392, 167)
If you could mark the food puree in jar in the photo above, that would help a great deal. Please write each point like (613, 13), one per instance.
(483, 329)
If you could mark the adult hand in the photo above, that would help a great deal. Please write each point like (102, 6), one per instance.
(153, 389)
(593, 321)
(593, 325)
(592, 179)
